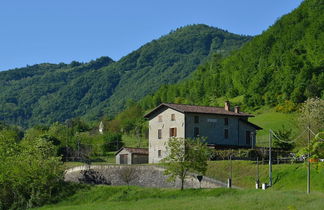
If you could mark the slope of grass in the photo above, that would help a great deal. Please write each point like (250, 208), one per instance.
(270, 119)
(285, 176)
(108, 197)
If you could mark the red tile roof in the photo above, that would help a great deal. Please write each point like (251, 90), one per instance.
(198, 109)
(142, 151)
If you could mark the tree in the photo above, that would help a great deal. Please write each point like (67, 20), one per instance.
(111, 142)
(311, 115)
(127, 174)
(316, 147)
(284, 142)
(186, 155)
(30, 173)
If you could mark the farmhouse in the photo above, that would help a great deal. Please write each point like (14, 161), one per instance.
(128, 155)
(220, 126)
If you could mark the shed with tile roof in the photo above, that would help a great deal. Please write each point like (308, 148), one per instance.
(129, 155)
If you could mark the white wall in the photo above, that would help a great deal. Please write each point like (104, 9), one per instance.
(156, 144)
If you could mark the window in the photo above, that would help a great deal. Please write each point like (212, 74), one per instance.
(159, 133)
(160, 118)
(225, 121)
(196, 119)
(248, 137)
(172, 117)
(196, 132)
(173, 132)
(226, 133)
(159, 153)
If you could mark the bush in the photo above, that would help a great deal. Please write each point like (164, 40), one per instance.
(112, 142)
(91, 176)
(30, 173)
(286, 107)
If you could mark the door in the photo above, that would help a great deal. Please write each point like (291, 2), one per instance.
(123, 159)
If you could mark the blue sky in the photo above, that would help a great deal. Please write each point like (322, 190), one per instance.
(37, 31)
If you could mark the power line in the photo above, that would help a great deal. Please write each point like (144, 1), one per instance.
(314, 133)
(294, 140)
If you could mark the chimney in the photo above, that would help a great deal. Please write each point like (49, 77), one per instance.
(227, 106)
(237, 109)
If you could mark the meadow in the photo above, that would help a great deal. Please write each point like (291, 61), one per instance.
(121, 197)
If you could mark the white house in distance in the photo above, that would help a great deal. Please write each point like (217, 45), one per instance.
(221, 126)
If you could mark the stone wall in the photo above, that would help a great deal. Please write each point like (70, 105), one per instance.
(147, 176)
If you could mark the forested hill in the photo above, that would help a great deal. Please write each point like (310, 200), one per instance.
(281, 67)
(45, 93)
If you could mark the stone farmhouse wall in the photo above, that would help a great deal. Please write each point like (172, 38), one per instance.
(156, 144)
(212, 127)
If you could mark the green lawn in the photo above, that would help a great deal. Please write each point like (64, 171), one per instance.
(112, 197)
(269, 119)
(285, 176)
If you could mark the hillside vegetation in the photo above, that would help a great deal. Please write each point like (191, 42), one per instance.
(281, 67)
(270, 76)
(46, 93)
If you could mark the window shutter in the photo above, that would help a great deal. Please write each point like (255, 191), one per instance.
(175, 132)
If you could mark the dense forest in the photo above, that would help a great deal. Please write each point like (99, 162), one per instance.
(282, 67)
(46, 93)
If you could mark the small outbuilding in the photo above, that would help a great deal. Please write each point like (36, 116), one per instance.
(128, 155)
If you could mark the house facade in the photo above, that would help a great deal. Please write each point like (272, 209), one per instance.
(220, 126)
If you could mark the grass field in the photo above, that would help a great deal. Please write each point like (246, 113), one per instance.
(285, 176)
(112, 197)
(269, 119)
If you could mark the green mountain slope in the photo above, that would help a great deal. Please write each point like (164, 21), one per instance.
(284, 65)
(22, 91)
(166, 61)
(46, 93)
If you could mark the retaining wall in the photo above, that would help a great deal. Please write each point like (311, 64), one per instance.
(147, 176)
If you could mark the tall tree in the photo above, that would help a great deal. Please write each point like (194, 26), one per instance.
(185, 155)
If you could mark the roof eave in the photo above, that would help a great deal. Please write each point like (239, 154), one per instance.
(147, 116)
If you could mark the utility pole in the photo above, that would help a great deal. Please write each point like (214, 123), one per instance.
(308, 164)
(270, 160)
(138, 137)
(252, 139)
(258, 174)
(229, 183)
(78, 149)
